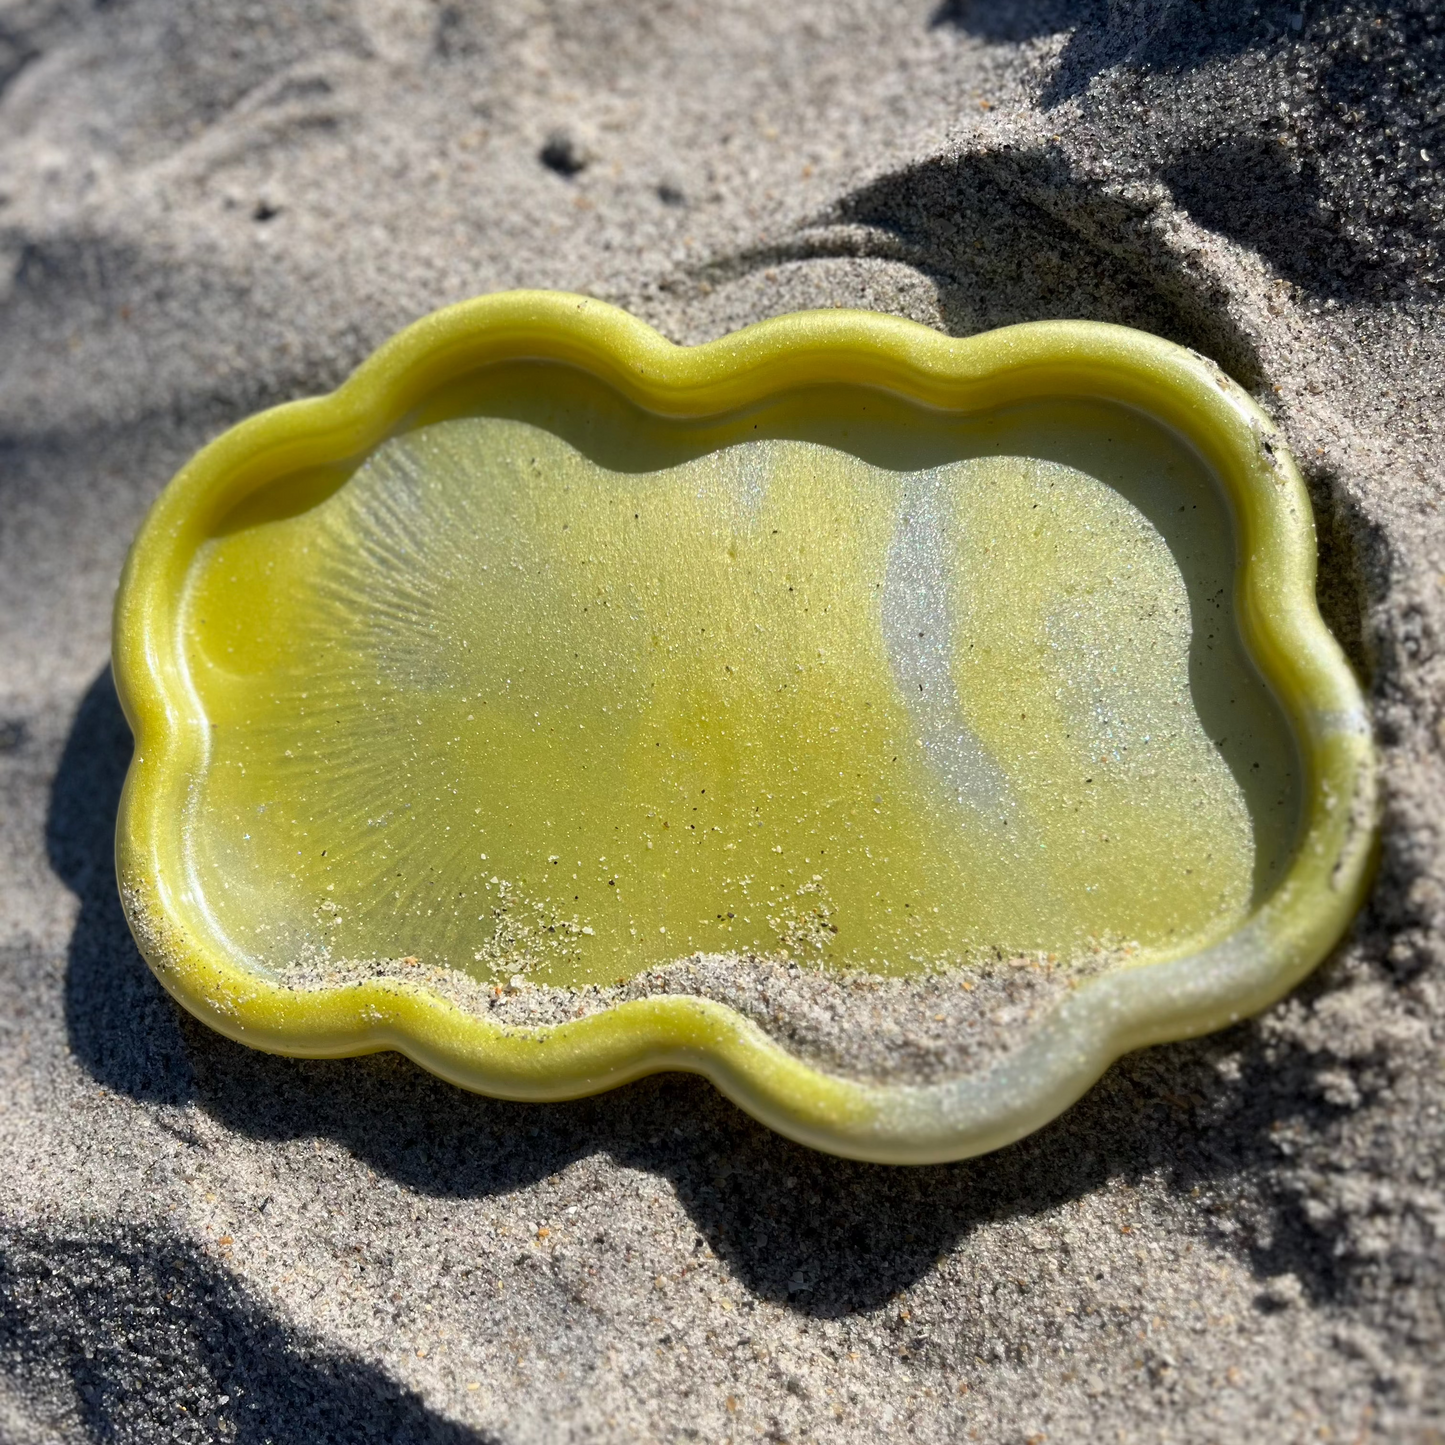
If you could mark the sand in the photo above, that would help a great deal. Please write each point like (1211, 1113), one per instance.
(918, 1029)
(205, 209)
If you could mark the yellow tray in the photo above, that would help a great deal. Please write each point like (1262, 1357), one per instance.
(1040, 601)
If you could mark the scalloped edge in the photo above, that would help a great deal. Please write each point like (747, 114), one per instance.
(1276, 946)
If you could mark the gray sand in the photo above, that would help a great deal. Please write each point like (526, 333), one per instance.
(913, 1030)
(209, 208)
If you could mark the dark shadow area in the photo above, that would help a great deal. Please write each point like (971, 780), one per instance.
(1250, 189)
(1174, 37)
(158, 1343)
(1012, 24)
(15, 55)
(121, 1024)
(1354, 562)
(1013, 235)
(1163, 36)
(828, 1237)
(1335, 182)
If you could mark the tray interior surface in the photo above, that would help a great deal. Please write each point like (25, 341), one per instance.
(547, 684)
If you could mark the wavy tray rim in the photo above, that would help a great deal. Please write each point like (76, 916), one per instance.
(1102, 1018)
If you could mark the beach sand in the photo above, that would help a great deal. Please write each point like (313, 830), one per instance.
(207, 209)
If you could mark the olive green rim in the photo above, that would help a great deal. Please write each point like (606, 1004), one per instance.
(1285, 937)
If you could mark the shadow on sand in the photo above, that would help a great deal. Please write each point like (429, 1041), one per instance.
(157, 1342)
(827, 1237)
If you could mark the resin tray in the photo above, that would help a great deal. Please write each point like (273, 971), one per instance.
(542, 698)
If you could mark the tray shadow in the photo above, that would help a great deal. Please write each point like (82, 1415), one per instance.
(827, 1237)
